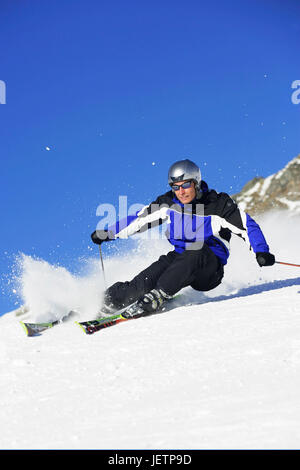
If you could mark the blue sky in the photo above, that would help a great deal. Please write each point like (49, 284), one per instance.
(111, 87)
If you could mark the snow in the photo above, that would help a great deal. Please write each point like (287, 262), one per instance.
(293, 206)
(221, 370)
(252, 190)
(266, 183)
(262, 187)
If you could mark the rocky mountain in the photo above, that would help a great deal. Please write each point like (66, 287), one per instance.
(280, 191)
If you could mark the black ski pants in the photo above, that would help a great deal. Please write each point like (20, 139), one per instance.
(200, 269)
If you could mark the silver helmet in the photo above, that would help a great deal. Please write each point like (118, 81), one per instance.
(184, 170)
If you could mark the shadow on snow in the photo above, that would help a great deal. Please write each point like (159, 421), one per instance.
(253, 290)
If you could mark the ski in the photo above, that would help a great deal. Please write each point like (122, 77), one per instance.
(90, 327)
(130, 313)
(35, 329)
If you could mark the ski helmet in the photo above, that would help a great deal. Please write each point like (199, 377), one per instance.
(184, 170)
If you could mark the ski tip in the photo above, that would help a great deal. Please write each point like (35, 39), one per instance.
(80, 326)
(24, 327)
(27, 329)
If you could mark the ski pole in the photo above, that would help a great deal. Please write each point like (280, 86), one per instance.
(102, 264)
(288, 264)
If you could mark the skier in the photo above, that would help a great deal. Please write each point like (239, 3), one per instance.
(200, 223)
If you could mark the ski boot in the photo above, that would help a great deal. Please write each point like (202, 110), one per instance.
(152, 302)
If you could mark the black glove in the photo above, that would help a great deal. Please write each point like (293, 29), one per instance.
(265, 259)
(100, 236)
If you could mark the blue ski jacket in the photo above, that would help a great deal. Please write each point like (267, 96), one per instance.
(211, 218)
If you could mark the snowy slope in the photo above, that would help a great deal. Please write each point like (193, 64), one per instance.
(223, 372)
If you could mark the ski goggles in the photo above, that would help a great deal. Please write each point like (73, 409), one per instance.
(185, 185)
